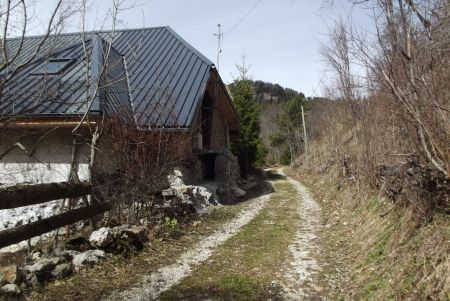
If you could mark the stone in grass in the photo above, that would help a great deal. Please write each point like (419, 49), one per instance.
(43, 265)
(10, 275)
(62, 271)
(140, 232)
(128, 238)
(68, 255)
(33, 280)
(10, 289)
(101, 238)
(238, 192)
(77, 243)
(88, 258)
(250, 186)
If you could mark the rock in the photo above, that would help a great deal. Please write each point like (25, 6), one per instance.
(35, 256)
(58, 260)
(176, 179)
(69, 254)
(42, 266)
(170, 192)
(196, 223)
(10, 289)
(101, 238)
(88, 258)
(250, 185)
(33, 280)
(62, 271)
(197, 196)
(238, 192)
(177, 173)
(2, 281)
(11, 275)
(140, 231)
(129, 238)
(78, 243)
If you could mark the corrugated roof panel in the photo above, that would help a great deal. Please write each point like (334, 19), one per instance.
(116, 88)
(195, 92)
(163, 83)
(176, 94)
(141, 72)
(166, 77)
(153, 94)
(41, 94)
(192, 71)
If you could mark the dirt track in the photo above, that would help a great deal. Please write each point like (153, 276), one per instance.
(281, 265)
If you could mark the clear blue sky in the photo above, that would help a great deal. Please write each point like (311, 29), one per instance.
(281, 38)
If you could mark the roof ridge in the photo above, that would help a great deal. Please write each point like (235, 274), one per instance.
(88, 32)
(192, 48)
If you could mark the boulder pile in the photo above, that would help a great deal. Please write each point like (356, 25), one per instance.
(41, 267)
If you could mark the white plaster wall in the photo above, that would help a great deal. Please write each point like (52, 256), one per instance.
(50, 162)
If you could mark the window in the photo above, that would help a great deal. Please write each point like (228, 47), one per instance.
(52, 67)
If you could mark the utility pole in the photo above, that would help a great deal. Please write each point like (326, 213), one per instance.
(304, 131)
(219, 36)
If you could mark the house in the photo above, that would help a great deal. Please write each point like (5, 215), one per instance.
(150, 78)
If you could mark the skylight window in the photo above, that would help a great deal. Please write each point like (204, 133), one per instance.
(52, 67)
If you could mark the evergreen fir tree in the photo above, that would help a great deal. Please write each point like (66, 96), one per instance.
(247, 146)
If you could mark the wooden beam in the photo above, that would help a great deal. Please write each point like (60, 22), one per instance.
(24, 195)
(20, 233)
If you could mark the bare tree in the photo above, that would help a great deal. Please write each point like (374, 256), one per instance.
(403, 71)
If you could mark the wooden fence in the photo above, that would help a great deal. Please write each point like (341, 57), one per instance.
(25, 195)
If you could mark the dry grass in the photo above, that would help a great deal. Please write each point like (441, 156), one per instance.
(369, 257)
(118, 272)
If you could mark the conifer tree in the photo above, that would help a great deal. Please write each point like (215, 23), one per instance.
(247, 146)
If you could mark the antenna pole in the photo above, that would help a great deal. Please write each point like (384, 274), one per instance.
(219, 36)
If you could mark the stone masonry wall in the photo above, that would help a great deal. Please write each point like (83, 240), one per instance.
(219, 131)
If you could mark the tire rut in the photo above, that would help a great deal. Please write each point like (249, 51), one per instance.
(298, 276)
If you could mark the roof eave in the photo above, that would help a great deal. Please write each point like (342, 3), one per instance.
(49, 120)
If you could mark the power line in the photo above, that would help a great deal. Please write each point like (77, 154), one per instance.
(221, 34)
(244, 17)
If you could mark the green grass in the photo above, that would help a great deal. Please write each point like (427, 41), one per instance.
(244, 267)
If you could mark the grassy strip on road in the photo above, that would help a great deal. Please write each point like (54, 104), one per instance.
(249, 265)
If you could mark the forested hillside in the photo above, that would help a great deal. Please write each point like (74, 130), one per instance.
(266, 92)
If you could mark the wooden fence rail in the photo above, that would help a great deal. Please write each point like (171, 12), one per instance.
(24, 195)
(24, 232)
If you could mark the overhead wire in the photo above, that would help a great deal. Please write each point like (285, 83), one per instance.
(244, 17)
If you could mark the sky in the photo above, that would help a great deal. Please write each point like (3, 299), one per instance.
(281, 39)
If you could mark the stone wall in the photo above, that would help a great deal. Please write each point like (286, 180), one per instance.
(227, 166)
(219, 137)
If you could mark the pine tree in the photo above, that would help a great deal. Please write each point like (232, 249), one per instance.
(247, 146)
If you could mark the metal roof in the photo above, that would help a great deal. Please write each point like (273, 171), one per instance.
(152, 73)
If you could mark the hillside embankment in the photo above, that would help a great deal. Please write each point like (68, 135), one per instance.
(372, 247)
